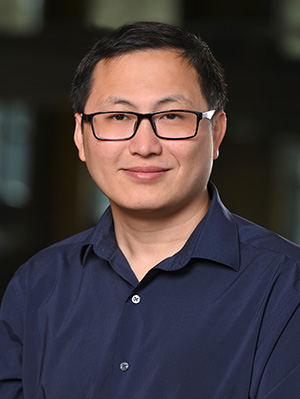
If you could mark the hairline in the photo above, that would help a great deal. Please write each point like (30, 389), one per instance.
(181, 53)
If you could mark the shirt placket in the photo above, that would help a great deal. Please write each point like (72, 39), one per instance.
(130, 326)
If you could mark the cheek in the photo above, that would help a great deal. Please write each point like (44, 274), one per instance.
(196, 165)
(193, 154)
(102, 160)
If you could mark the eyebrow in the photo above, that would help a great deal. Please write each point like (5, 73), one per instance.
(175, 98)
(115, 100)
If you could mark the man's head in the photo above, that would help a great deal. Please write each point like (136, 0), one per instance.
(152, 36)
(159, 164)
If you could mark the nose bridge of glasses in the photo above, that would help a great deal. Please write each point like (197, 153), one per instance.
(141, 117)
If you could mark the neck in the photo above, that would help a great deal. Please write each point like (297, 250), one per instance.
(147, 239)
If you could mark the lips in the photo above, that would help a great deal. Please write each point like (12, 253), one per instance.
(146, 173)
(147, 169)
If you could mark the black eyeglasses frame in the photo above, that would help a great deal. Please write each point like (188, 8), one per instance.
(200, 115)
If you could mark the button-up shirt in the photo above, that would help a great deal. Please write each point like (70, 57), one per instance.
(218, 320)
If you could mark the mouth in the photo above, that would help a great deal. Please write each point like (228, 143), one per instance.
(146, 173)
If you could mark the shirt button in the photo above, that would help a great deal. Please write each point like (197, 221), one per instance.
(124, 366)
(136, 299)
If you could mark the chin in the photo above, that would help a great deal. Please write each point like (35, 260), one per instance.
(141, 207)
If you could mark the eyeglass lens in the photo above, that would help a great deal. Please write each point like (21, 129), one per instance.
(121, 125)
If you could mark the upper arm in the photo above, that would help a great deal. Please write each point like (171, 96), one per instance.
(11, 344)
(276, 370)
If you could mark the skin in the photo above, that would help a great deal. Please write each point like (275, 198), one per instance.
(157, 188)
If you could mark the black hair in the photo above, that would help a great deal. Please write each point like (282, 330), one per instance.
(152, 36)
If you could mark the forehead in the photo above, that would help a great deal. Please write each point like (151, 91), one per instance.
(164, 60)
(145, 73)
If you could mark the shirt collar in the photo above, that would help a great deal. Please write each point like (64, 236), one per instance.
(215, 238)
(218, 240)
(101, 239)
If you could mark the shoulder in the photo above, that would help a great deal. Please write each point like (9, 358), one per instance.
(46, 265)
(260, 239)
(63, 261)
(63, 249)
(246, 237)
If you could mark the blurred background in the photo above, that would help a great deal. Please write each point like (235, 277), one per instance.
(45, 191)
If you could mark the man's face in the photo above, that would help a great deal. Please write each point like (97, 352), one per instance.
(148, 175)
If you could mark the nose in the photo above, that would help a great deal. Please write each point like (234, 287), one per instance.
(145, 142)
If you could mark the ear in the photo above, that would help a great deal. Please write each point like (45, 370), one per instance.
(219, 129)
(78, 137)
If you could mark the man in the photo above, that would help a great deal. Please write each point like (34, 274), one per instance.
(170, 295)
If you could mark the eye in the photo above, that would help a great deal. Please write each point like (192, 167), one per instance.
(171, 116)
(119, 117)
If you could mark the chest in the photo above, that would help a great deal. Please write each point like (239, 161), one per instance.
(104, 337)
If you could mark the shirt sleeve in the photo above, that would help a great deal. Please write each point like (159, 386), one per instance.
(276, 373)
(11, 343)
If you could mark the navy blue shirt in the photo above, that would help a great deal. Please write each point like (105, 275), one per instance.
(218, 320)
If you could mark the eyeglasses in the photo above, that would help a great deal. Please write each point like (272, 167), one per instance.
(169, 125)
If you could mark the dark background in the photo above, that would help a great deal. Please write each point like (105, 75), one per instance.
(46, 193)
